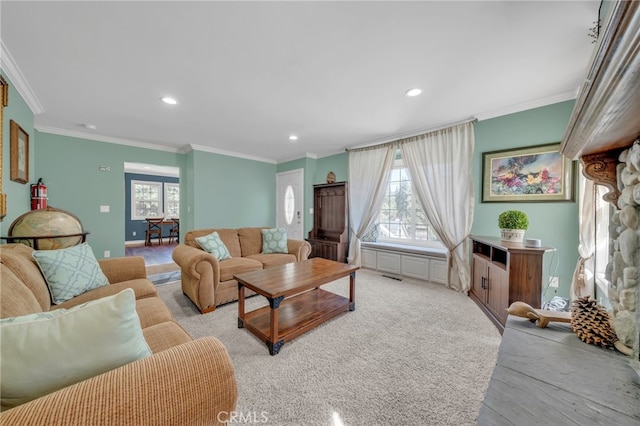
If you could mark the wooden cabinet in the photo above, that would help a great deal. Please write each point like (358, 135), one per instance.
(503, 273)
(329, 237)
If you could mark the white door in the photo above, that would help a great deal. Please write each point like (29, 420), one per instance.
(290, 203)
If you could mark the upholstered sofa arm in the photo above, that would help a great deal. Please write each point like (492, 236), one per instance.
(188, 258)
(189, 384)
(300, 248)
(119, 269)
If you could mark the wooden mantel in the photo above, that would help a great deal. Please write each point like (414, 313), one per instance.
(605, 121)
(606, 115)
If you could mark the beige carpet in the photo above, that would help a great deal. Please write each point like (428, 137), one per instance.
(412, 353)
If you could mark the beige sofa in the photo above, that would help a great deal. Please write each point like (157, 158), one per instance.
(184, 381)
(209, 282)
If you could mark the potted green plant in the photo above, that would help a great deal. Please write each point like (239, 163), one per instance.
(512, 224)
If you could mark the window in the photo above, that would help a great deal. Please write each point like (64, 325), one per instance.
(172, 199)
(149, 200)
(601, 255)
(401, 219)
(289, 204)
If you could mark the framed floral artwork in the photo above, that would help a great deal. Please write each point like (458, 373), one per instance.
(19, 154)
(536, 173)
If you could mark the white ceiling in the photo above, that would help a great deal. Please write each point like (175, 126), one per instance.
(249, 74)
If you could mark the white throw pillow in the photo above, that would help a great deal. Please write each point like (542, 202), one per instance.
(44, 352)
(70, 272)
(274, 241)
(213, 244)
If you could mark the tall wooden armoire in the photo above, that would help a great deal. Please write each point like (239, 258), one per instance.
(329, 237)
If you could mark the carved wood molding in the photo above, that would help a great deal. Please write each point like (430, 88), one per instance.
(601, 168)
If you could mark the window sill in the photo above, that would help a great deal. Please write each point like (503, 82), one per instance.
(424, 251)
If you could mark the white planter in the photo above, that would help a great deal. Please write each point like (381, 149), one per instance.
(512, 235)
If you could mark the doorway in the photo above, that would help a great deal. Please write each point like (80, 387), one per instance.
(290, 203)
(151, 190)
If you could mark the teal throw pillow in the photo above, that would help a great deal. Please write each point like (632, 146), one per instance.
(47, 351)
(213, 244)
(70, 272)
(274, 241)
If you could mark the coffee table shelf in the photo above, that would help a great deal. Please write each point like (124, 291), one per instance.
(297, 315)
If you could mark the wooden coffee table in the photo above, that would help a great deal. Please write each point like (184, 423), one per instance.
(297, 304)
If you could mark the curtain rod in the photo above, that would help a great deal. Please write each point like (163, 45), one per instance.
(411, 135)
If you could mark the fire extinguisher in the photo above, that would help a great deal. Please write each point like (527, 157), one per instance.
(38, 195)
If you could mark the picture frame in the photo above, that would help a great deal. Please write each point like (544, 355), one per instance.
(533, 174)
(19, 154)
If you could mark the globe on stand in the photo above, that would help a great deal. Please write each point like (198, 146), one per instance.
(47, 223)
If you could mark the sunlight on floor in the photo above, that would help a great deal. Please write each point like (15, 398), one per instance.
(336, 420)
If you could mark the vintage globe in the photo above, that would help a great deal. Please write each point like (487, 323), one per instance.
(44, 223)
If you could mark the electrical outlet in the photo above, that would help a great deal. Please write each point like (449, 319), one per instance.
(107, 253)
(134, 233)
(553, 282)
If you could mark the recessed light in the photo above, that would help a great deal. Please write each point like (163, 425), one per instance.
(90, 126)
(169, 100)
(293, 138)
(413, 92)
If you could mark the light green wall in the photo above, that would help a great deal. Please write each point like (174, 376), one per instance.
(69, 167)
(338, 164)
(555, 223)
(17, 193)
(231, 192)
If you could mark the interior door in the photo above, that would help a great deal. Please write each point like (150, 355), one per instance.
(290, 203)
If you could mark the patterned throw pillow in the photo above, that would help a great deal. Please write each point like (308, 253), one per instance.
(40, 352)
(70, 272)
(213, 244)
(372, 234)
(274, 241)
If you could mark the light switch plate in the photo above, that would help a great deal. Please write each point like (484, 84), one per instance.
(104, 209)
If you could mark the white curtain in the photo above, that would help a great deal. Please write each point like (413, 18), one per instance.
(368, 179)
(583, 276)
(440, 165)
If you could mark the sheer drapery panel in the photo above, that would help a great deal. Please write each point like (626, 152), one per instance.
(368, 178)
(440, 164)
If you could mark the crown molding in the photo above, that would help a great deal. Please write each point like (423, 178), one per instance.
(18, 80)
(411, 133)
(312, 156)
(102, 138)
(527, 105)
(477, 117)
(212, 150)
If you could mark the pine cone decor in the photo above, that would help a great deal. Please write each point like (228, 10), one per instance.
(591, 323)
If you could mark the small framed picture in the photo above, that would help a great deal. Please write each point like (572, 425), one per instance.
(536, 173)
(19, 154)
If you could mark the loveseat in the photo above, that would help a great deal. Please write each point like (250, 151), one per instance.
(209, 282)
(183, 381)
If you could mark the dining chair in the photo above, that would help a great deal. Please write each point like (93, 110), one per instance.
(154, 230)
(174, 231)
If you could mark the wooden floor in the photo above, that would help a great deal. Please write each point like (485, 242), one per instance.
(153, 255)
(156, 255)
